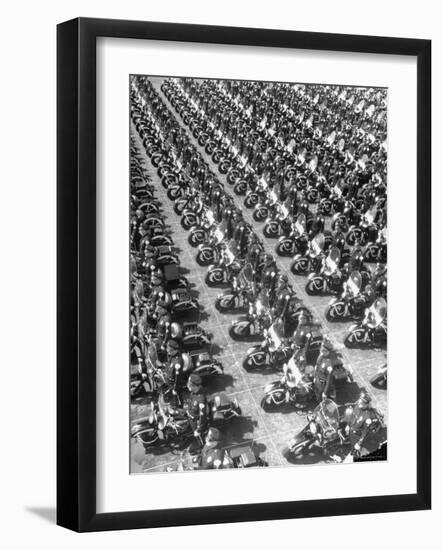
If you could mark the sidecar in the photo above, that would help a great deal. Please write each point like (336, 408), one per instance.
(183, 302)
(204, 364)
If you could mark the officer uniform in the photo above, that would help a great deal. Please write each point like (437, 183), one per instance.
(323, 380)
(361, 418)
(197, 404)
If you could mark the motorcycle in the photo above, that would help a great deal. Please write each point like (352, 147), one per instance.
(329, 279)
(252, 326)
(201, 233)
(183, 302)
(208, 253)
(224, 271)
(311, 259)
(372, 331)
(262, 209)
(271, 353)
(376, 252)
(322, 431)
(296, 241)
(191, 217)
(350, 304)
(241, 293)
(204, 364)
(190, 335)
(292, 388)
(276, 225)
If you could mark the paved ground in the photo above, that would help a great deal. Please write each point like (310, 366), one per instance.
(269, 431)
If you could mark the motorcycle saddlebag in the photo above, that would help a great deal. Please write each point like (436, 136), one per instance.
(171, 272)
(244, 456)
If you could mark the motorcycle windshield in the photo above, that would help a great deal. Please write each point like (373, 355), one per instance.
(379, 310)
(210, 217)
(327, 415)
(275, 336)
(230, 253)
(262, 302)
(246, 274)
(318, 244)
(355, 282)
(300, 224)
(333, 258)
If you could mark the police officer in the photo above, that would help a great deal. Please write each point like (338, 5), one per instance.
(213, 457)
(197, 409)
(323, 381)
(360, 419)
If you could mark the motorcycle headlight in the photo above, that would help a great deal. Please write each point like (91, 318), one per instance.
(313, 428)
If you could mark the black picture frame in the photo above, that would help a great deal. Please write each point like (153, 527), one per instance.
(76, 273)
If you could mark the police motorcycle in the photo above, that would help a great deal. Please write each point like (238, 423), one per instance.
(191, 217)
(372, 330)
(311, 260)
(157, 237)
(323, 431)
(296, 241)
(226, 268)
(364, 228)
(203, 363)
(240, 456)
(265, 207)
(209, 252)
(294, 388)
(258, 317)
(161, 255)
(152, 222)
(256, 194)
(379, 380)
(279, 223)
(242, 291)
(351, 304)
(189, 200)
(200, 233)
(329, 278)
(183, 302)
(271, 353)
(376, 250)
(188, 334)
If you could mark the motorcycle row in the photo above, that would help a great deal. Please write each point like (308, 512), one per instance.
(170, 352)
(289, 191)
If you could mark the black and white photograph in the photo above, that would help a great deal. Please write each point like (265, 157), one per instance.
(258, 274)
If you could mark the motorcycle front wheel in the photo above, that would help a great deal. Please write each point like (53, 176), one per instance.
(271, 230)
(251, 200)
(214, 278)
(205, 257)
(188, 221)
(254, 361)
(355, 338)
(299, 266)
(196, 237)
(285, 248)
(240, 188)
(315, 286)
(260, 214)
(240, 331)
(273, 400)
(224, 304)
(335, 312)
